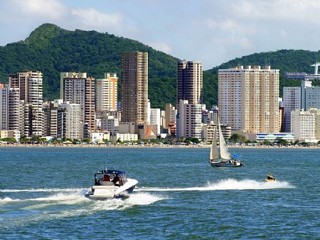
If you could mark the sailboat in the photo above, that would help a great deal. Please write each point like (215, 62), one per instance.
(221, 157)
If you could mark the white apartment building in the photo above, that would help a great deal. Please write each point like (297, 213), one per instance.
(74, 124)
(155, 118)
(189, 123)
(303, 125)
(248, 99)
(107, 93)
(291, 102)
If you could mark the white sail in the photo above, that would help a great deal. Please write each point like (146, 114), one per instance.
(214, 151)
(224, 153)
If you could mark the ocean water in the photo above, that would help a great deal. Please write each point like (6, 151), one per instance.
(179, 196)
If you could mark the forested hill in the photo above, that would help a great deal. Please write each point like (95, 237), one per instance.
(51, 50)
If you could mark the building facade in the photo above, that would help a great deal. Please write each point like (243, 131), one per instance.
(77, 88)
(248, 99)
(31, 94)
(189, 122)
(107, 93)
(190, 82)
(135, 87)
(291, 102)
(303, 125)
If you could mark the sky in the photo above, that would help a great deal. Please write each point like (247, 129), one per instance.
(210, 31)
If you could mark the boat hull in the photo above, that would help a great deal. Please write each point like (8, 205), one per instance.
(226, 164)
(110, 192)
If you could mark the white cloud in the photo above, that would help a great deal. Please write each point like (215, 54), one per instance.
(91, 18)
(212, 31)
(35, 9)
(277, 10)
(161, 46)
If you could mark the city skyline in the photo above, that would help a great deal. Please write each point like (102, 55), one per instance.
(223, 31)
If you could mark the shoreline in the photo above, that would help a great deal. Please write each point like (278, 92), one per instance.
(145, 146)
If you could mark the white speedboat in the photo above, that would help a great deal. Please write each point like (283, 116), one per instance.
(111, 184)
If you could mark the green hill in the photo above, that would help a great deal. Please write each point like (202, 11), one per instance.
(52, 50)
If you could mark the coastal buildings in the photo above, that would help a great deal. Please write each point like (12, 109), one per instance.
(248, 99)
(31, 100)
(77, 88)
(248, 103)
(189, 99)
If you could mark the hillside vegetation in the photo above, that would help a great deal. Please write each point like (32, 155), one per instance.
(51, 50)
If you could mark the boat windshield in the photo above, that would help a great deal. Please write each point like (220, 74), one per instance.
(110, 175)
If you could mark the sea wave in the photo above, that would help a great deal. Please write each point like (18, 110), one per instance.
(227, 184)
(41, 190)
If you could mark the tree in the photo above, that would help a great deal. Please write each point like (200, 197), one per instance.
(237, 138)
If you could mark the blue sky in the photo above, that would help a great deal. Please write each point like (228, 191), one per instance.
(210, 31)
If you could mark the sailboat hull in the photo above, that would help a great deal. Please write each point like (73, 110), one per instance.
(226, 164)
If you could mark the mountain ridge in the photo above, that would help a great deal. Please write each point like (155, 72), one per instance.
(51, 50)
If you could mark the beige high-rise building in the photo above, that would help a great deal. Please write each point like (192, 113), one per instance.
(77, 88)
(190, 82)
(135, 87)
(248, 99)
(107, 93)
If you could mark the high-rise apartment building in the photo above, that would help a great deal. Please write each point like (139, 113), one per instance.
(291, 101)
(4, 108)
(249, 99)
(189, 122)
(135, 87)
(107, 93)
(31, 93)
(190, 82)
(77, 88)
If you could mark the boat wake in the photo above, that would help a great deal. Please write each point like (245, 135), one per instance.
(71, 196)
(41, 190)
(34, 206)
(227, 184)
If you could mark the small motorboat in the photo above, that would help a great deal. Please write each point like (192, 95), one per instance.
(270, 178)
(111, 184)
